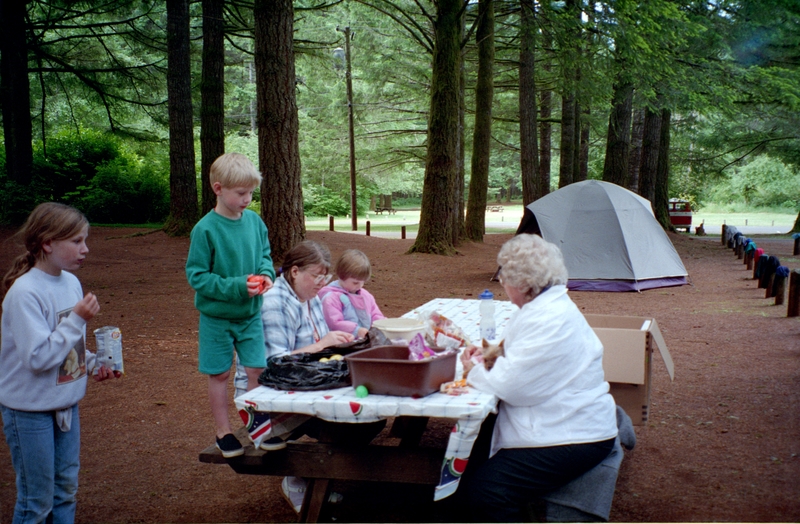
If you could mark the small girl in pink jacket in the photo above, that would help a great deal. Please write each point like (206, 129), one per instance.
(346, 304)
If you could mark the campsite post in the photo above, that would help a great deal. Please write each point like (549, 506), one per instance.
(793, 309)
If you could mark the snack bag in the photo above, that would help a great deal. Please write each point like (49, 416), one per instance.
(109, 349)
(418, 350)
(443, 332)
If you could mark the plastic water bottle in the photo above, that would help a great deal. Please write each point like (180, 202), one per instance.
(488, 327)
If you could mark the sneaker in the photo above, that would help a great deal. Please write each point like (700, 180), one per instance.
(273, 444)
(294, 494)
(229, 446)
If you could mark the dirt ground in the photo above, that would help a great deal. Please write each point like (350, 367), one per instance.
(721, 444)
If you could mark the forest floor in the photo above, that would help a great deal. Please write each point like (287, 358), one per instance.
(722, 442)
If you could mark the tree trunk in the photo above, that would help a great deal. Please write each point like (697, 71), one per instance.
(576, 144)
(545, 144)
(475, 223)
(435, 233)
(566, 168)
(661, 202)
(15, 93)
(649, 164)
(796, 227)
(459, 222)
(528, 143)
(583, 158)
(182, 180)
(212, 96)
(635, 156)
(615, 168)
(278, 126)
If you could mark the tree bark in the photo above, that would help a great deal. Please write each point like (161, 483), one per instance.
(182, 180)
(475, 223)
(661, 202)
(615, 167)
(649, 164)
(435, 233)
(576, 144)
(459, 221)
(15, 92)
(546, 143)
(212, 96)
(796, 227)
(566, 167)
(583, 158)
(635, 156)
(278, 126)
(528, 141)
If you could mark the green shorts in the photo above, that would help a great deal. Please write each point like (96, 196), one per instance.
(218, 338)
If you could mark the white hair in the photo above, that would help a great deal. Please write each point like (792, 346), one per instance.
(531, 263)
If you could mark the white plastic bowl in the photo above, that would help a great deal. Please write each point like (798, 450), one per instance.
(400, 328)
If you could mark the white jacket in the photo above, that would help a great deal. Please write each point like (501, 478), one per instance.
(550, 381)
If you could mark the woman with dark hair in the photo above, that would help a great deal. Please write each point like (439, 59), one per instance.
(294, 323)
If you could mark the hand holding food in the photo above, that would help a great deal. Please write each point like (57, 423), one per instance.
(88, 307)
(258, 284)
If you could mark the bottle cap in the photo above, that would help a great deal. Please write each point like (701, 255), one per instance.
(487, 295)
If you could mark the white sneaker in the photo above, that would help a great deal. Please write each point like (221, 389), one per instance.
(294, 494)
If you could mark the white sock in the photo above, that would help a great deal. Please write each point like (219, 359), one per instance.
(296, 482)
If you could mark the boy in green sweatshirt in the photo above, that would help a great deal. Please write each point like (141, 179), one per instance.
(228, 246)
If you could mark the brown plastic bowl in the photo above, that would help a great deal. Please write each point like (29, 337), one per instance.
(386, 370)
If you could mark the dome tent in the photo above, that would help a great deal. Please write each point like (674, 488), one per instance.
(609, 236)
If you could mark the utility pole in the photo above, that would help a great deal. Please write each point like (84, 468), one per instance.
(348, 35)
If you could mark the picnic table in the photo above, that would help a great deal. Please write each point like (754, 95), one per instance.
(495, 208)
(380, 210)
(407, 463)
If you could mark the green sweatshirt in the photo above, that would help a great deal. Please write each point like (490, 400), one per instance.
(222, 253)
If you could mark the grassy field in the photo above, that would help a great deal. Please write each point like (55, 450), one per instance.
(507, 220)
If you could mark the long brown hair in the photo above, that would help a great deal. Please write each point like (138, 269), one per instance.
(47, 222)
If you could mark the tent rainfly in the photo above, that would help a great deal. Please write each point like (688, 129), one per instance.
(609, 236)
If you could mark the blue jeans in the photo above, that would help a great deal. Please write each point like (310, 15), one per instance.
(46, 461)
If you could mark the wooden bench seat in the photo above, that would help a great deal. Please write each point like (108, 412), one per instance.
(320, 463)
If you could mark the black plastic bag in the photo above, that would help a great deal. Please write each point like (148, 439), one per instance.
(304, 372)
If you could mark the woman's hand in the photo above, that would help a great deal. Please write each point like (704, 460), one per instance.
(333, 338)
(466, 357)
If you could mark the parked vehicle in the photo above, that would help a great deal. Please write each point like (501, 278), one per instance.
(680, 214)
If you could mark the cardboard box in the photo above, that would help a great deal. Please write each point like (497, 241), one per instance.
(628, 359)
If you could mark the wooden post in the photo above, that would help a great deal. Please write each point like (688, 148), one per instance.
(748, 259)
(330, 222)
(793, 309)
(722, 236)
(367, 227)
(403, 232)
(779, 291)
(740, 251)
(770, 283)
(796, 250)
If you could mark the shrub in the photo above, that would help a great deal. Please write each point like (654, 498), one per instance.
(321, 201)
(124, 192)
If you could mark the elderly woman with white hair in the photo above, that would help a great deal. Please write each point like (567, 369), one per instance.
(556, 419)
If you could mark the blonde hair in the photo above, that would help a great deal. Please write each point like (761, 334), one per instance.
(48, 222)
(531, 263)
(306, 253)
(234, 170)
(353, 264)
